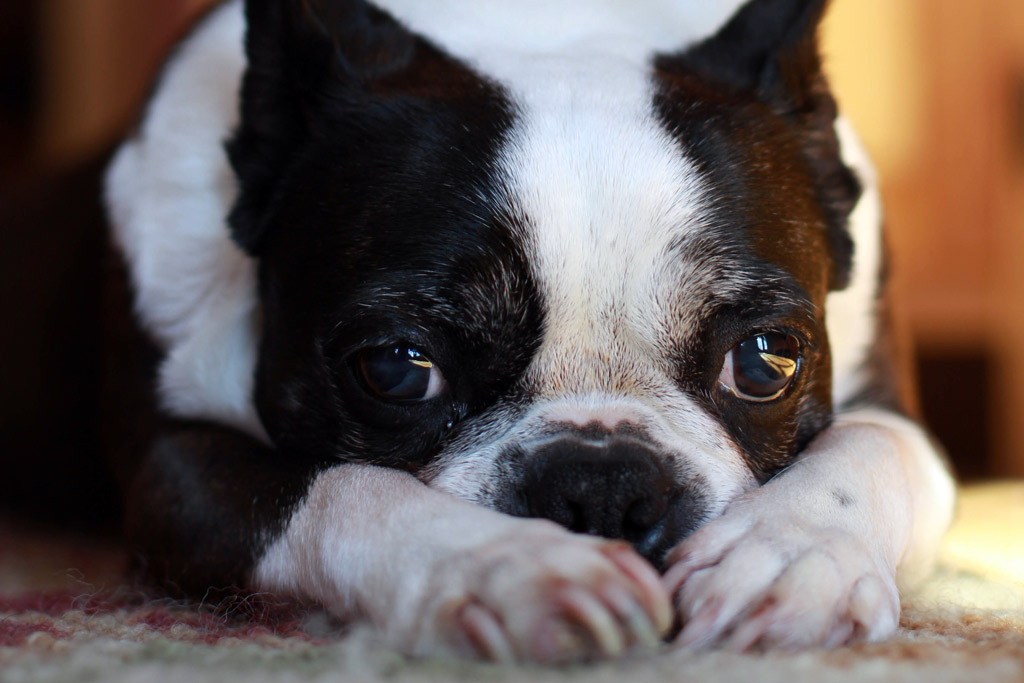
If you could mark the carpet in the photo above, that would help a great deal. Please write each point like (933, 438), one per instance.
(67, 615)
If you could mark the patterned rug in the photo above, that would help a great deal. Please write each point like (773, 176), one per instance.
(66, 615)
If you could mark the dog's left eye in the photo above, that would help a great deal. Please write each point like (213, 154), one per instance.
(761, 367)
(399, 373)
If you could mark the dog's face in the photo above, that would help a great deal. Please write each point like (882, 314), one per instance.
(590, 289)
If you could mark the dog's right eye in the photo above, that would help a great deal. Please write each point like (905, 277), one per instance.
(400, 374)
(761, 367)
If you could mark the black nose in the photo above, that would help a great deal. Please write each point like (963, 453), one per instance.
(615, 487)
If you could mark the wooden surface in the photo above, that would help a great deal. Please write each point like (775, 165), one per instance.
(951, 158)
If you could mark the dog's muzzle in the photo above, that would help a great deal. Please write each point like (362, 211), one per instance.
(613, 486)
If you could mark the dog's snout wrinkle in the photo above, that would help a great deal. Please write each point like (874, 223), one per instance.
(597, 433)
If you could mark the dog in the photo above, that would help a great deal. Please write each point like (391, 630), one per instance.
(524, 331)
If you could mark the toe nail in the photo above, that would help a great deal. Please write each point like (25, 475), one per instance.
(486, 633)
(637, 621)
(657, 600)
(585, 609)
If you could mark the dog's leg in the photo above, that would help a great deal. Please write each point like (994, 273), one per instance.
(811, 557)
(431, 571)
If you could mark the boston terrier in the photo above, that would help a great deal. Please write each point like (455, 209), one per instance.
(535, 331)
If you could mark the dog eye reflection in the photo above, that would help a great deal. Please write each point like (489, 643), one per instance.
(761, 367)
(399, 373)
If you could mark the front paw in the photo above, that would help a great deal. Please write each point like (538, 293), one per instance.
(539, 593)
(750, 580)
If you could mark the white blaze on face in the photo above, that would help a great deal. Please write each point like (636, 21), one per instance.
(603, 192)
(603, 189)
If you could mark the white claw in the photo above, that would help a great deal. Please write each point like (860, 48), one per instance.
(637, 621)
(581, 606)
(486, 633)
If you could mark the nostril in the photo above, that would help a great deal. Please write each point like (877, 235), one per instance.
(647, 537)
(643, 514)
(577, 518)
(646, 510)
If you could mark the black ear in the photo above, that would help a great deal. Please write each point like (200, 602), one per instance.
(306, 59)
(769, 50)
(768, 47)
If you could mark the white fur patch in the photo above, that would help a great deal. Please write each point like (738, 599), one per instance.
(850, 314)
(604, 188)
(169, 190)
(605, 192)
(494, 34)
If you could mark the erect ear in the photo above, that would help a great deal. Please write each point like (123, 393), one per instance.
(306, 58)
(769, 49)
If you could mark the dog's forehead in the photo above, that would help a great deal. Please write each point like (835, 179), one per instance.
(606, 195)
(613, 212)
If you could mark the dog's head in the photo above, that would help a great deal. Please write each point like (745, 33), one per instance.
(567, 271)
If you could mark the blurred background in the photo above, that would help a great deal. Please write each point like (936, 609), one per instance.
(936, 88)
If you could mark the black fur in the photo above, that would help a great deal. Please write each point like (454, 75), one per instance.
(369, 192)
(205, 502)
(765, 61)
(751, 108)
(371, 213)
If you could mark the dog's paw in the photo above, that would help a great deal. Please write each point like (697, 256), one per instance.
(747, 580)
(538, 593)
